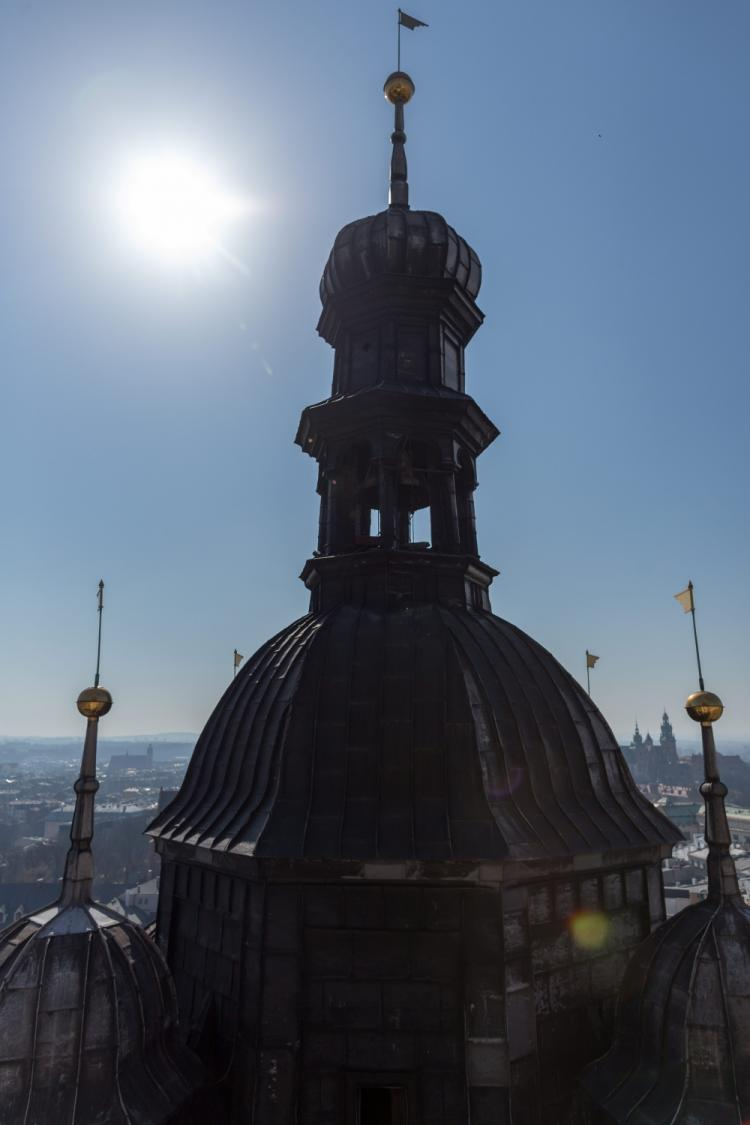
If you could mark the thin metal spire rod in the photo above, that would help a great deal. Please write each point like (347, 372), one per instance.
(398, 39)
(695, 636)
(100, 597)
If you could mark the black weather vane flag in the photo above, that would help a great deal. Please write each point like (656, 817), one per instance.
(411, 22)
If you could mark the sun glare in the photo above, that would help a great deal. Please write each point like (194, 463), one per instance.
(174, 208)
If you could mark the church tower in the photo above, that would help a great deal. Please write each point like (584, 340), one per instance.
(668, 743)
(406, 866)
(398, 435)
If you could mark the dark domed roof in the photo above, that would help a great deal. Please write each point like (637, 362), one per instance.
(400, 241)
(88, 1023)
(682, 1049)
(428, 732)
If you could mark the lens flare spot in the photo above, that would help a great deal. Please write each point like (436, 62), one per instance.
(589, 929)
(506, 786)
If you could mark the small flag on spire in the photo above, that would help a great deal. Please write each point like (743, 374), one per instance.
(685, 598)
(687, 601)
(410, 21)
(590, 663)
(238, 658)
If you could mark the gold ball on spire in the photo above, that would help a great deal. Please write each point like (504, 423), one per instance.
(704, 707)
(93, 702)
(398, 88)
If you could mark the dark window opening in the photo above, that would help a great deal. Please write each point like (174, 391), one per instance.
(411, 359)
(382, 1105)
(363, 371)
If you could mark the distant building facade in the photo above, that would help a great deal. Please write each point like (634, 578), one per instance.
(659, 770)
(121, 763)
(652, 762)
(139, 903)
(683, 812)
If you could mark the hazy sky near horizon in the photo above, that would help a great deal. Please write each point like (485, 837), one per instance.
(595, 155)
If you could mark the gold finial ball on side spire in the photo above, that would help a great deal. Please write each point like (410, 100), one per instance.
(704, 707)
(398, 88)
(93, 702)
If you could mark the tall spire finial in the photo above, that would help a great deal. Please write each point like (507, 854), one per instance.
(92, 703)
(706, 708)
(398, 89)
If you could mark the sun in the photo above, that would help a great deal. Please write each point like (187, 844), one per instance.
(174, 208)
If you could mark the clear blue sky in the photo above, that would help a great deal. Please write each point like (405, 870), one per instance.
(593, 152)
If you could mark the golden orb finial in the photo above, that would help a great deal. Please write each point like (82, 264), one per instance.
(398, 88)
(704, 707)
(93, 702)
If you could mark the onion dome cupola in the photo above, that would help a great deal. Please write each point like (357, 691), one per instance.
(400, 718)
(418, 249)
(88, 1015)
(681, 1053)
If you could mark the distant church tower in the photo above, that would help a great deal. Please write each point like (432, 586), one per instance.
(668, 743)
(407, 863)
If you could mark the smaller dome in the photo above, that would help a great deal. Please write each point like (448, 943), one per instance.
(88, 1023)
(682, 1045)
(400, 241)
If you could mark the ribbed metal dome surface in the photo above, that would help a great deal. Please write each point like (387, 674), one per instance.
(399, 241)
(427, 732)
(88, 1024)
(682, 1048)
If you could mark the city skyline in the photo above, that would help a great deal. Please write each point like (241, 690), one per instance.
(149, 417)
